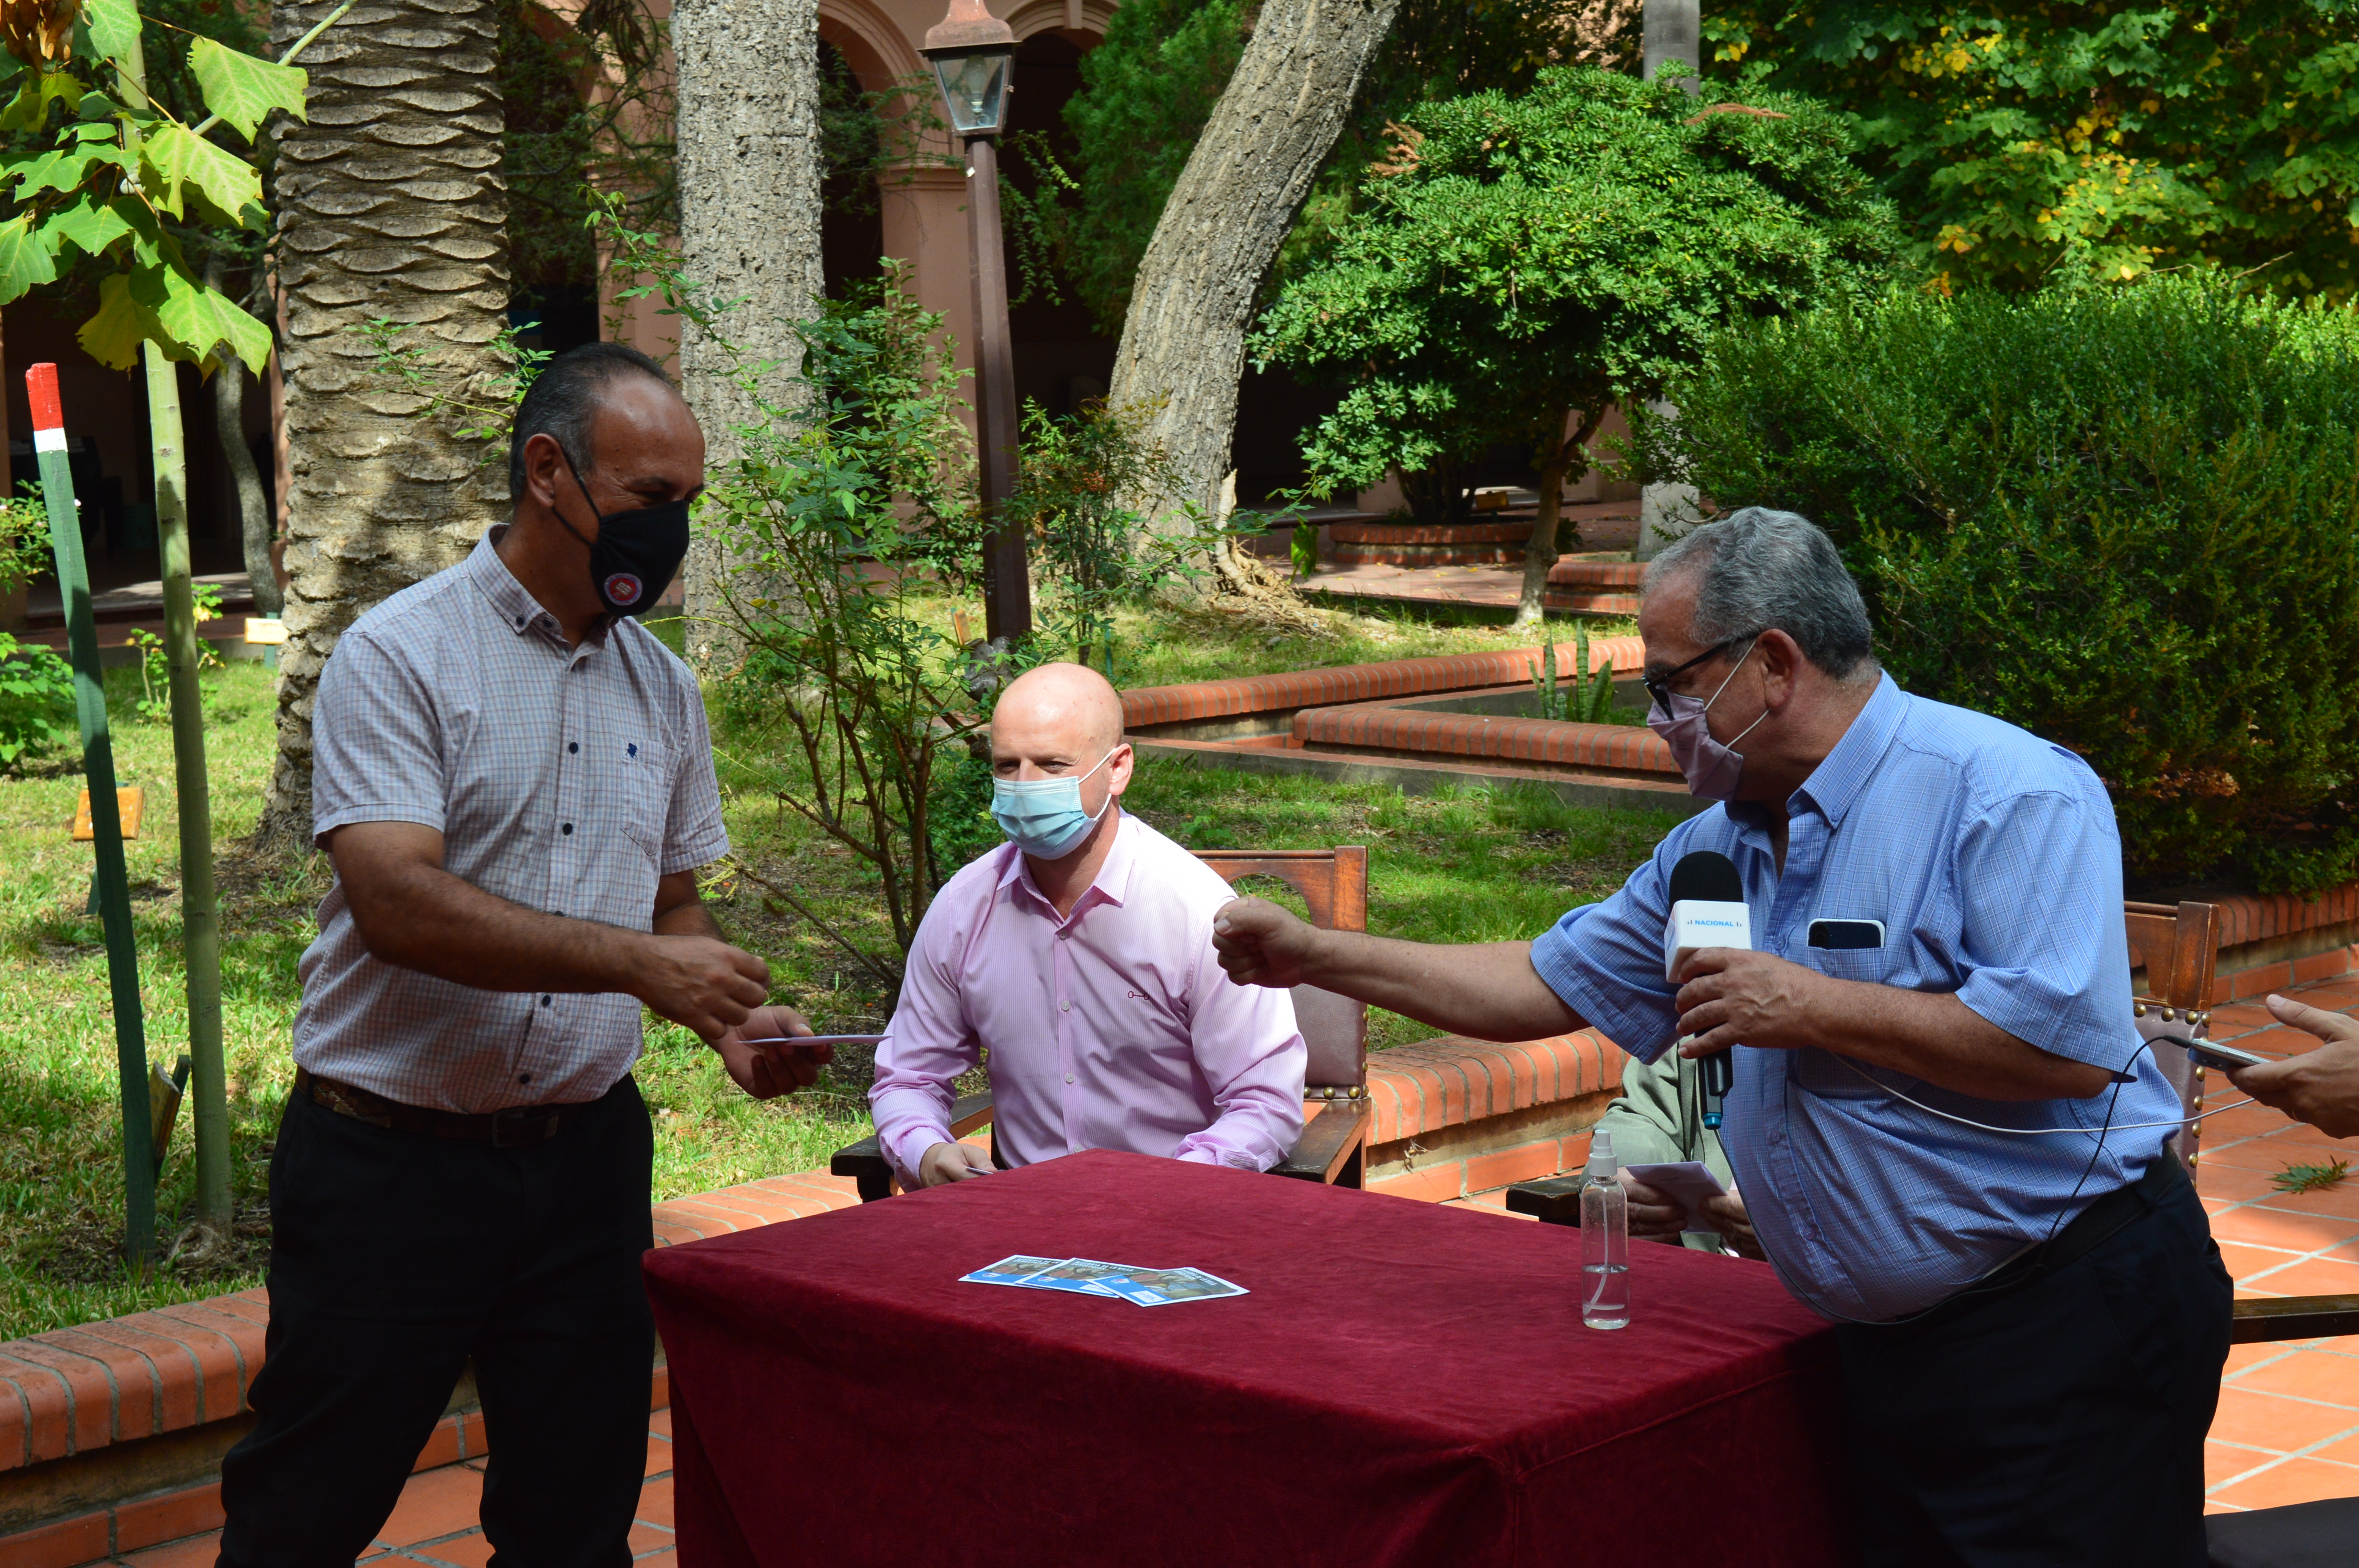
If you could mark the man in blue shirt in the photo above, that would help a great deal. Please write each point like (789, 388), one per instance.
(1952, 1142)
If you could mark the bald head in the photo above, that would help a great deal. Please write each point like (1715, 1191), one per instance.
(1071, 702)
(1058, 721)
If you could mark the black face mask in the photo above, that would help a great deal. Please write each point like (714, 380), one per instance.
(636, 554)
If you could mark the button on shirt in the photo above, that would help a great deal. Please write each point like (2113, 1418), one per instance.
(1993, 860)
(1112, 1028)
(566, 780)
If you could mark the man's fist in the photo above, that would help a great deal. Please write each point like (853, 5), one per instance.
(1731, 996)
(1261, 943)
(951, 1163)
(700, 982)
(2319, 1086)
(765, 1070)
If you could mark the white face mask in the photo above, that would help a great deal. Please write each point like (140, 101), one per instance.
(1043, 817)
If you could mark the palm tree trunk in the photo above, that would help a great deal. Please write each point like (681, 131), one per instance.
(391, 204)
(747, 130)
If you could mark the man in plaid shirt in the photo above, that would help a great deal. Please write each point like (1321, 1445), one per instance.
(514, 782)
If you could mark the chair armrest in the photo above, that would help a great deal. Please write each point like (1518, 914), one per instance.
(1556, 1201)
(865, 1161)
(1338, 1130)
(2292, 1317)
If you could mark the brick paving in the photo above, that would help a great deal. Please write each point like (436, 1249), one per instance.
(2287, 1430)
(435, 1522)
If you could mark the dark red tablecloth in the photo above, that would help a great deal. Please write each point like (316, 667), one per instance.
(1406, 1384)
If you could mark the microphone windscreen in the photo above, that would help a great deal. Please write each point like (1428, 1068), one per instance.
(1708, 875)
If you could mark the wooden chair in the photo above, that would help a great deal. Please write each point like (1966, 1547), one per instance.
(1333, 1146)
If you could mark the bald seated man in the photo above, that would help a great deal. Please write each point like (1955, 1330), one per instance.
(1080, 954)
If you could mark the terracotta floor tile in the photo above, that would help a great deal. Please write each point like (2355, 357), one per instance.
(2345, 1452)
(470, 1550)
(645, 1538)
(655, 1503)
(2315, 1277)
(2264, 1157)
(194, 1552)
(435, 1502)
(659, 1457)
(2242, 1357)
(2222, 1176)
(2279, 1425)
(660, 1424)
(2264, 1227)
(2326, 1375)
(2240, 1122)
(2295, 1481)
(2341, 1200)
(2245, 1261)
(2224, 1462)
(664, 1559)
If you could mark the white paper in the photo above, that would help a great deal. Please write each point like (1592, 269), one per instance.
(1688, 1181)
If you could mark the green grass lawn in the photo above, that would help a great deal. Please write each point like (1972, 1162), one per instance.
(1470, 866)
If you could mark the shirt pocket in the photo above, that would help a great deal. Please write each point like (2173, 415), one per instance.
(643, 800)
(1873, 965)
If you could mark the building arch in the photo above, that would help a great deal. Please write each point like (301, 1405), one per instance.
(871, 42)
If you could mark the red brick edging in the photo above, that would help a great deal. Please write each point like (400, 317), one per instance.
(1147, 706)
(1620, 748)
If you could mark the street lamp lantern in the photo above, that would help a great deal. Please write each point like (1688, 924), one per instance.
(973, 54)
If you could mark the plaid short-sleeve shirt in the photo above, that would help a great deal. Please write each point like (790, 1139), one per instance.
(561, 779)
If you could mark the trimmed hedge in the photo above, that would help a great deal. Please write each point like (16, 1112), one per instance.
(2125, 519)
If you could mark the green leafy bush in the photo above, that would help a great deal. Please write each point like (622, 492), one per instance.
(2125, 519)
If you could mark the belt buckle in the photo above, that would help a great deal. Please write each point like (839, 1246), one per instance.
(539, 1125)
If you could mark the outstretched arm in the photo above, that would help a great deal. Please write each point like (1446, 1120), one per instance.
(1488, 989)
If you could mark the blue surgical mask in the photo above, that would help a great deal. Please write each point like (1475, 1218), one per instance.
(1043, 817)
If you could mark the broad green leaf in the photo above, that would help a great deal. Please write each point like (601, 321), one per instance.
(112, 336)
(30, 108)
(243, 90)
(201, 319)
(176, 158)
(67, 169)
(89, 225)
(24, 261)
(114, 25)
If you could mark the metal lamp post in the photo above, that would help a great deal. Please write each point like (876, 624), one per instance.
(973, 55)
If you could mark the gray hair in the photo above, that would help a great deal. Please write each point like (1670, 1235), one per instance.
(1759, 569)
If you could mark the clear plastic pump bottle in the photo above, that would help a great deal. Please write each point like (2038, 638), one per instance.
(1605, 1240)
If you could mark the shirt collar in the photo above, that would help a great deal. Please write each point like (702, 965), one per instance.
(1836, 782)
(509, 600)
(1110, 885)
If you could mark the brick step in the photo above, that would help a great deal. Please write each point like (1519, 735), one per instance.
(1619, 752)
(1145, 709)
(1572, 602)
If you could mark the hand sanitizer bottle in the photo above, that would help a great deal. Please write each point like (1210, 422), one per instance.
(1605, 1240)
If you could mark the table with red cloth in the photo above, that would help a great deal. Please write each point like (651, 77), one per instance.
(1406, 1384)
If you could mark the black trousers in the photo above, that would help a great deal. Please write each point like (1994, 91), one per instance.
(395, 1257)
(2059, 1424)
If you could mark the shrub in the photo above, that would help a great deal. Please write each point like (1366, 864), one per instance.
(2126, 520)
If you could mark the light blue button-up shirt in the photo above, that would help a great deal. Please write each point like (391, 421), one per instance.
(1992, 859)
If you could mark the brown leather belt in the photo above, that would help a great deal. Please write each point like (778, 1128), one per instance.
(519, 1127)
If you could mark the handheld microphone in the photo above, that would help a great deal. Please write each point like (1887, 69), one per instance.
(1707, 911)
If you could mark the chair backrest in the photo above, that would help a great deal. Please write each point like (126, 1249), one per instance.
(1334, 885)
(2178, 945)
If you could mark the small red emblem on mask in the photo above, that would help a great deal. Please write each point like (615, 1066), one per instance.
(623, 589)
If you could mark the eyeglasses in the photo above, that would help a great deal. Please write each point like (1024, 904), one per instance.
(1659, 687)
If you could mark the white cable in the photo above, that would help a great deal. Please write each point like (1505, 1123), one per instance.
(2036, 1131)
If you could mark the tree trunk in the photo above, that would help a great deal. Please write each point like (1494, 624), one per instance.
(747, 130)
(1540, 551)
(252, 506)
(391, 203)
(1183, 338)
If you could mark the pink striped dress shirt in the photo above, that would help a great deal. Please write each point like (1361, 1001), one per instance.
(1113, 1028)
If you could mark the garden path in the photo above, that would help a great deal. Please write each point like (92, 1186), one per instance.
(1607, 525)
